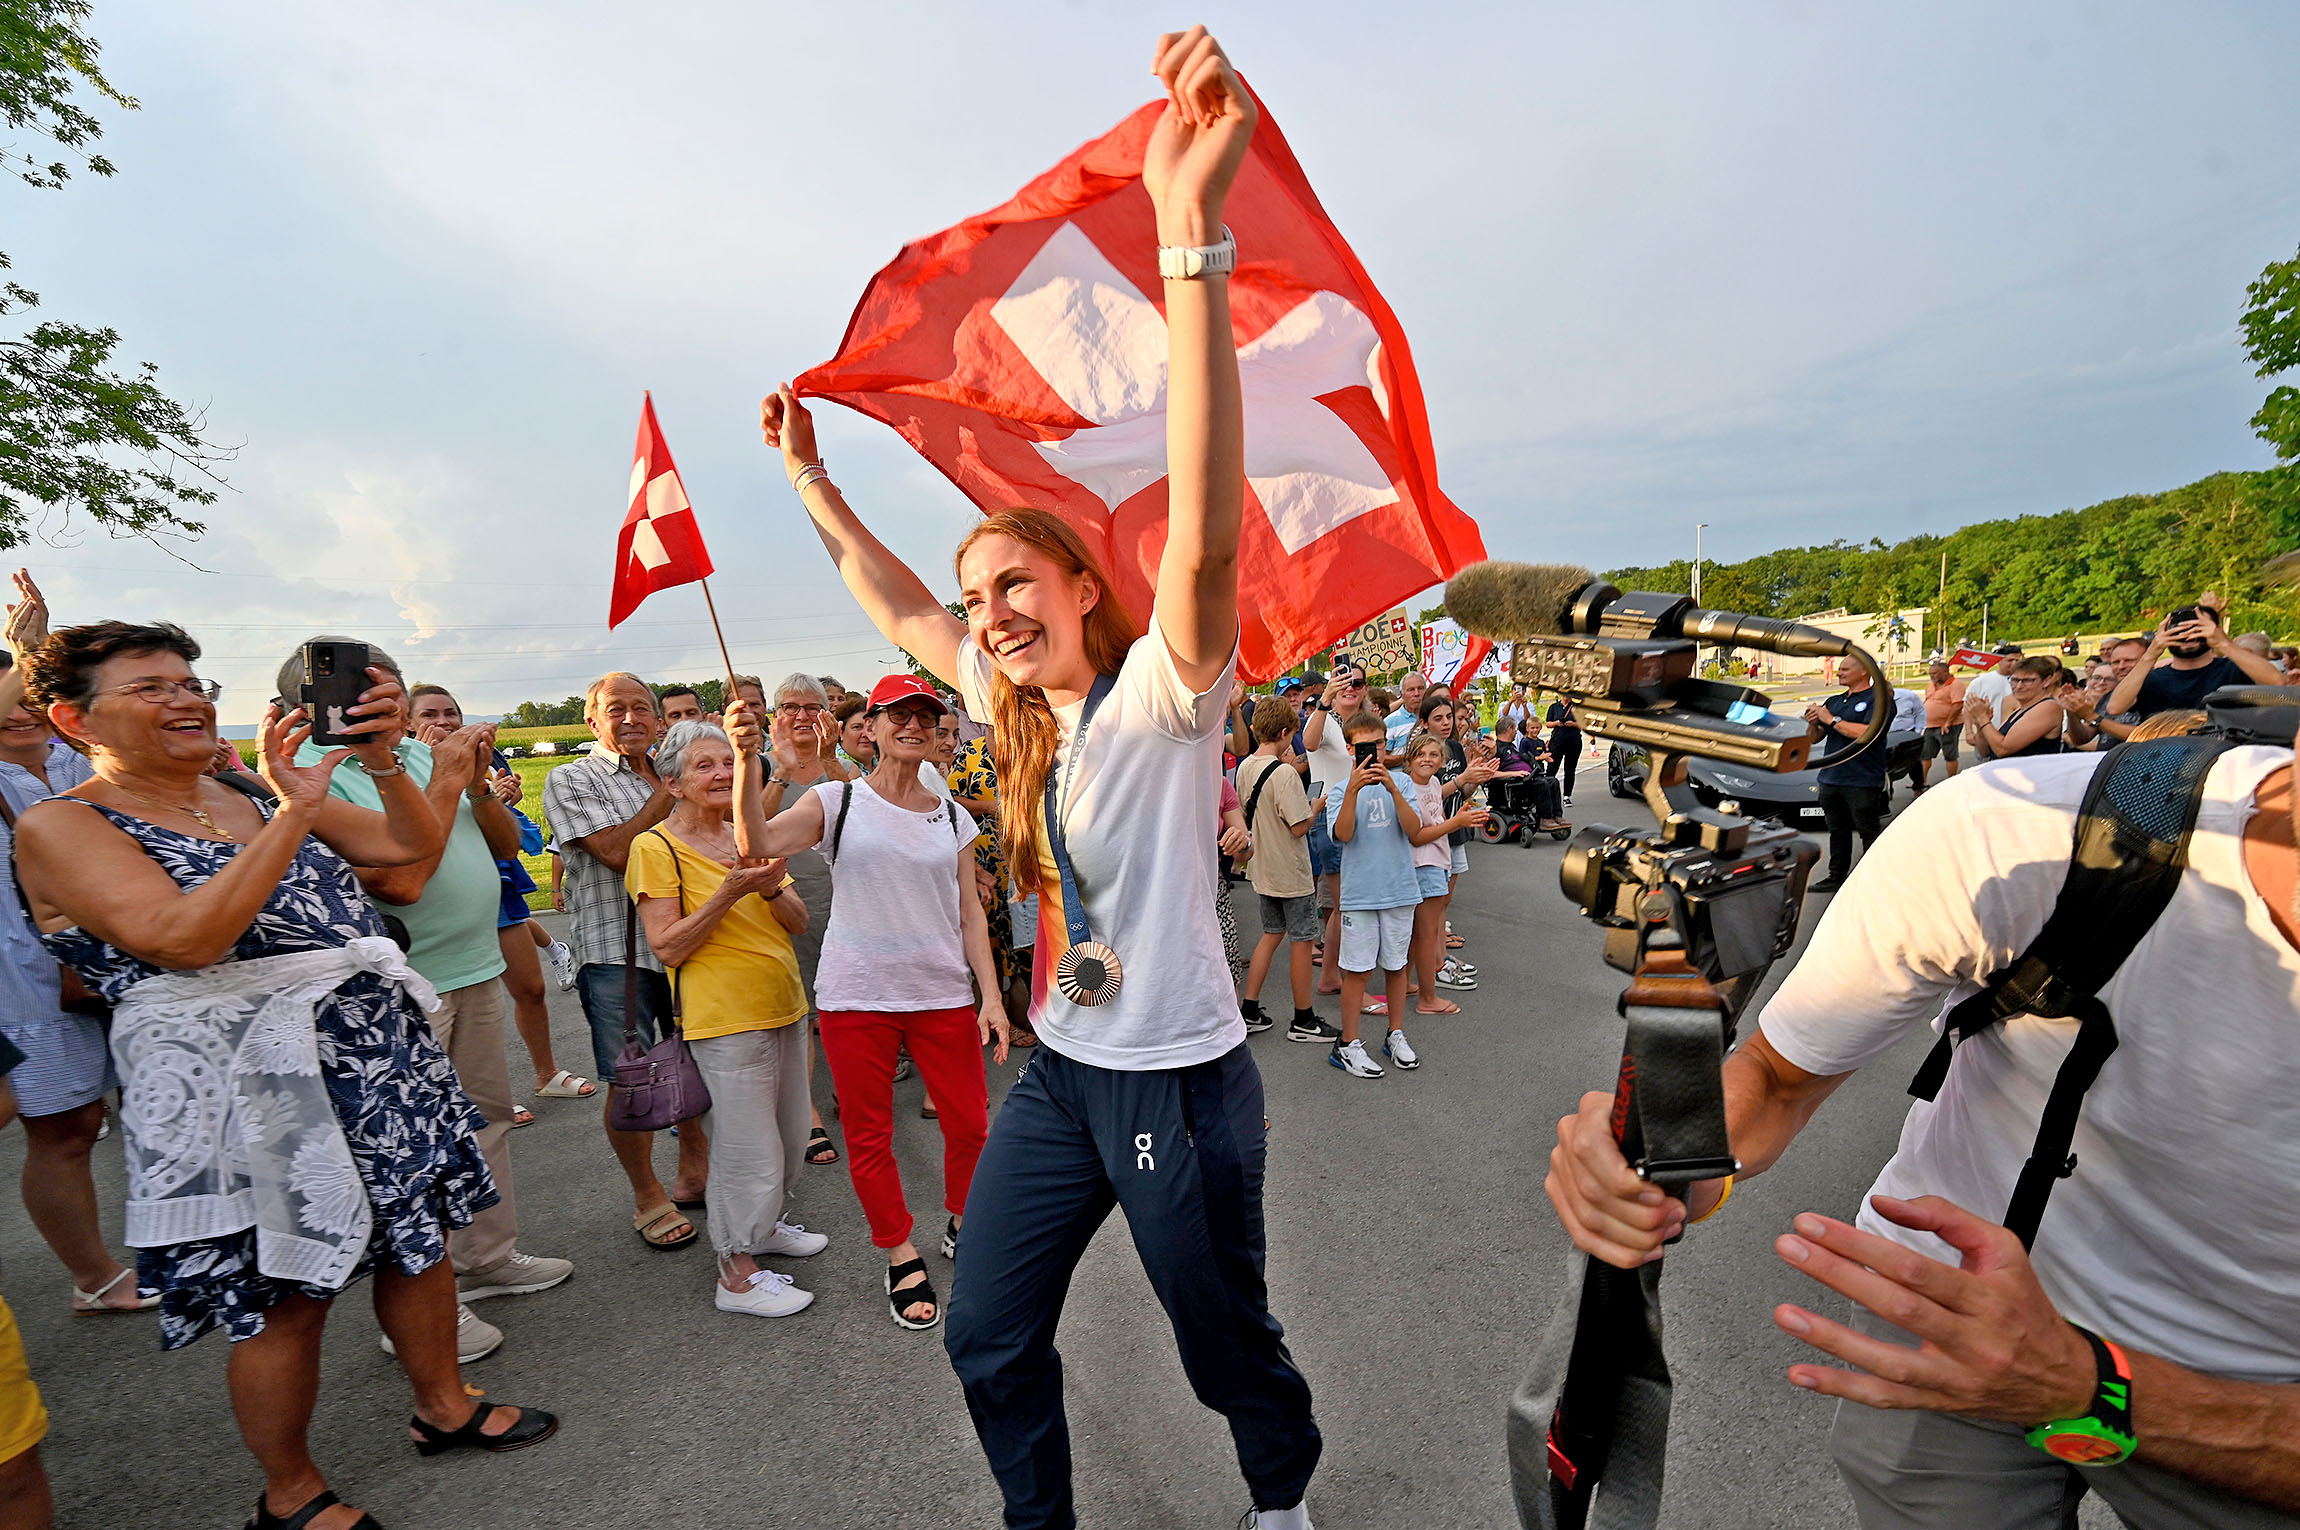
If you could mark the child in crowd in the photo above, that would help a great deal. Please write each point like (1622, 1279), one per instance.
(1373, 815)
(1278, 814)
(1425, 754)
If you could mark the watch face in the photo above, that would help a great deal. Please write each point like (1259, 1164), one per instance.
(2084, 1449)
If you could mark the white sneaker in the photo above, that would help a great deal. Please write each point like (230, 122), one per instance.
(771, 1294)
(1255, 1521)
(516, 1276)
(562, 963)
(475, 1337)
(1451, 976)
(791, 1238)
(1352, 1059)
(1399, 1052)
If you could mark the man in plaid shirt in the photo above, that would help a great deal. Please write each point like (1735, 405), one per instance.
(597, 806)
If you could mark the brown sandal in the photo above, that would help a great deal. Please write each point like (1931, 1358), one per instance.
(654, 1227)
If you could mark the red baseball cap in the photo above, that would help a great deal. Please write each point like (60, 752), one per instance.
(893, 688)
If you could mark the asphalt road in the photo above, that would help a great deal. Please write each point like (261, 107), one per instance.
(1413, 1260)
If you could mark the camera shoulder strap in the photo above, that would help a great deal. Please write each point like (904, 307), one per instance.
(2130, 852)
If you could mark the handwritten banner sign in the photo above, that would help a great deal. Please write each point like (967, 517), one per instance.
(1385, 643)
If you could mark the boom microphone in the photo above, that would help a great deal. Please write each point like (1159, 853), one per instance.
(1507, 601)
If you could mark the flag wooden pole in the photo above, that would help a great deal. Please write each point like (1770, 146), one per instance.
(712, 606)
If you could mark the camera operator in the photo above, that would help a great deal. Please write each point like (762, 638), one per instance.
(2203, 660)
(2175, 1237)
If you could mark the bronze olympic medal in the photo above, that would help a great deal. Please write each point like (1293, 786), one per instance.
(1088, 973)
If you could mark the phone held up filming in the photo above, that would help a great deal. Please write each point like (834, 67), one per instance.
(334, 678)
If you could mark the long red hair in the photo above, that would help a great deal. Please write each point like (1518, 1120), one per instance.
(1023, 728)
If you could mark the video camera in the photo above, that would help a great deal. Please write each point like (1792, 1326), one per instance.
(1734, 887)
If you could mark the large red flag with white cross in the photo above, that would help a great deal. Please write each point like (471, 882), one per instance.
(1023, 353)
(660, 544)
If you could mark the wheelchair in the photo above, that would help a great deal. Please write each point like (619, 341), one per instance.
(1522, 809)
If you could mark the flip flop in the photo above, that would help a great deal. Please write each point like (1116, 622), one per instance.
(659, 1220)
(92, 1303)
(1441, 1007)
(567, 1086)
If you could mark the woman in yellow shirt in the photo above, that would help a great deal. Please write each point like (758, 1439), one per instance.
(724, 933)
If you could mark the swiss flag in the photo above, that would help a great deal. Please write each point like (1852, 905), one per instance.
(1023, 353)
(660, 546)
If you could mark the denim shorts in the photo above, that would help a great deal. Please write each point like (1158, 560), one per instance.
(1325, 855)
(1460, 859)
(600, 986)
(1436, 881)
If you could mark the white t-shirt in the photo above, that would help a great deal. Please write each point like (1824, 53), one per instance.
(1330, 761)
(2175, 1234)
(1995, 688)
(894, 941)
(1141, 829)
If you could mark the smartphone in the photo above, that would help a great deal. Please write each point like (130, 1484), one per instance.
(2181, 615)
(1367, 750)
(334, 678)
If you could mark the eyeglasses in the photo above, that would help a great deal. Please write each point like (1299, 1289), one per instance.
(160, 692)
(800, 706)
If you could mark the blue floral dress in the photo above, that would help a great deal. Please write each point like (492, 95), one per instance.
(413, 1132)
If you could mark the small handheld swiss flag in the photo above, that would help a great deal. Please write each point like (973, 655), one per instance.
(1023, 353)
(660, 545)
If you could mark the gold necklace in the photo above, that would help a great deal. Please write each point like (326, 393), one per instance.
(199, 815)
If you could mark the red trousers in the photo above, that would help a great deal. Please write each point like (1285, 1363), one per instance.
(861, 1045)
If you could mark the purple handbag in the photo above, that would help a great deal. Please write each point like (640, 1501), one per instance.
(655, 1087)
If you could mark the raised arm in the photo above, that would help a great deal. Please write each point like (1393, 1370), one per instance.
(1188, 167)
(896, 600)
(757, 837)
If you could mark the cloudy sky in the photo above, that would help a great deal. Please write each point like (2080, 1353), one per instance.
(1798, 270)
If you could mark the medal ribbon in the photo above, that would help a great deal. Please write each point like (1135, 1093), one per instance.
(1073, 906)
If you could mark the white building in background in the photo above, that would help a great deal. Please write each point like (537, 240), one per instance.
(1891, 637)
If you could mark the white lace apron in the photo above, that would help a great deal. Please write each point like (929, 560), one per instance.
(226, 1117)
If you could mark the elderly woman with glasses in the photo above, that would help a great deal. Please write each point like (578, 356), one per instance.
(290, 1122)
(723, 931)
(2034, 724)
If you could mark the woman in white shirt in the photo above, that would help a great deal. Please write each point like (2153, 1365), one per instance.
(1142, 1092)
(904, 951)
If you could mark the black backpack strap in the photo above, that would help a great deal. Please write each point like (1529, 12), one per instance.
(839, 826)
(2129, 854)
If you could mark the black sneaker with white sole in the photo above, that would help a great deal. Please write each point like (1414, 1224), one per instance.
(1257, 1022)
(1313, 1029)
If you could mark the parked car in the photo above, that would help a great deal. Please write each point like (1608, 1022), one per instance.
(1794, 798)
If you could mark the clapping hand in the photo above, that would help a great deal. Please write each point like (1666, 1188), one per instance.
(1473, 815)
(27, 624)
(301, 788)
(1200, 140)
(761, 877)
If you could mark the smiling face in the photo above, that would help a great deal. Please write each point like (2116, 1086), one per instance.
(1425, 762)
(1411, 689)
(622, 717)
(24, 734)
(706, 776)
(945, 748)
(804, 716)
(178, 731)
(856, 739)
(1440, 721)
(904, 731)
(1027, 612)
(434, 712)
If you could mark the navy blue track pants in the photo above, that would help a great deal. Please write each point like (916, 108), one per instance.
(1181, 1149)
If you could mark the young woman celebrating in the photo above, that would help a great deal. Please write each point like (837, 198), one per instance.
(907, 945)
(1143, 1093)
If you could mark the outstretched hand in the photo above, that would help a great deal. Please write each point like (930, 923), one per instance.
(27, 624)
(1200, 141)
(1992, 1344)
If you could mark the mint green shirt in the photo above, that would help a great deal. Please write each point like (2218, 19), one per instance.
(453, 923)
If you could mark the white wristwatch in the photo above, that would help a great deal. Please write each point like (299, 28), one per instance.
(1188, 262)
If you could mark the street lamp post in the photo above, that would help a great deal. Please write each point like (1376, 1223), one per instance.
(1698, 528)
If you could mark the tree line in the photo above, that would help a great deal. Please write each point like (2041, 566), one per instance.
(2117, 565)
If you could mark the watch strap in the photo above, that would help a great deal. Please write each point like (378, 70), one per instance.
(2103, 1436)
(1190, 262)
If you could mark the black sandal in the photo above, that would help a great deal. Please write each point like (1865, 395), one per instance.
(265, 1519)
(911, 1296)
(532, 1427)
(820, 1148)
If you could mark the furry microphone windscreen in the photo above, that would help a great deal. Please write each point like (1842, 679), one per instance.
(1504, 601)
